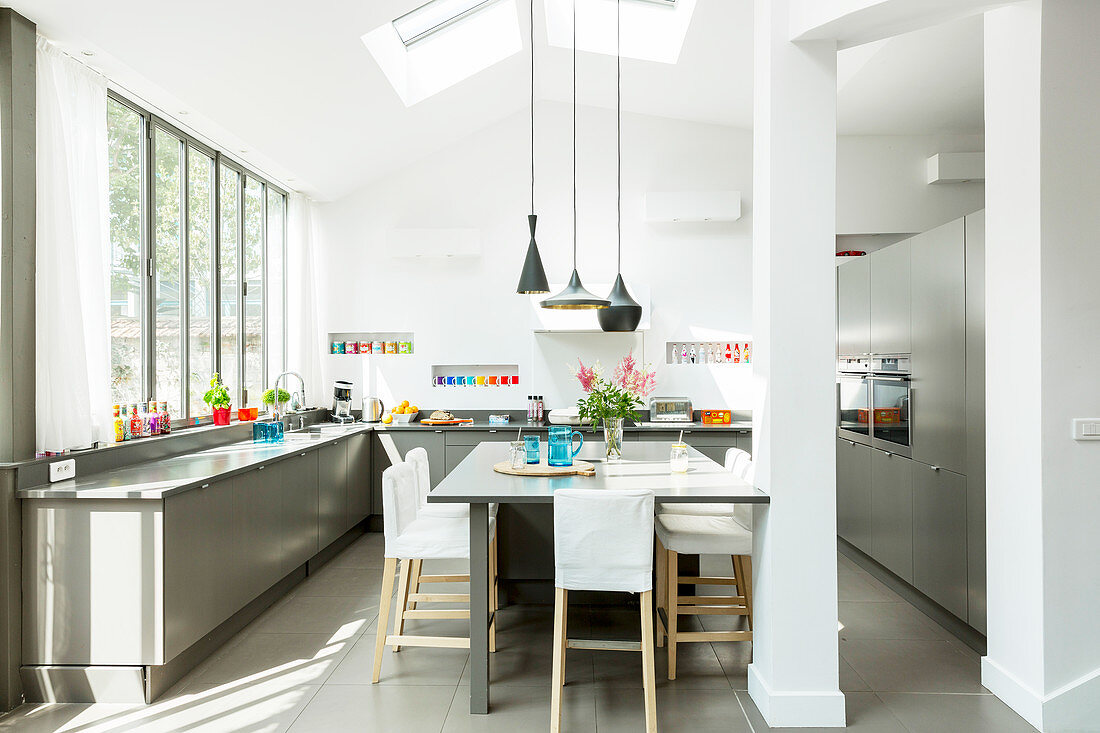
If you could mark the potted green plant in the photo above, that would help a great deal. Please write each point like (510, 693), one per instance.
(284, 397)
(611, 401)
(218, 399)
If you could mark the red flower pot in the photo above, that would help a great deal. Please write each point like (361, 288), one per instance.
(221, 415)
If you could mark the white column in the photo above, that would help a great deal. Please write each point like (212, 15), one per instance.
(1042, 349)
(793, 678)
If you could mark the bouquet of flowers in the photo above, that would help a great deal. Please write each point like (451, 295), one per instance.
(611, 401)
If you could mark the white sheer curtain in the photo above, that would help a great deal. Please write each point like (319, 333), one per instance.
(72, 358)
(304, 339)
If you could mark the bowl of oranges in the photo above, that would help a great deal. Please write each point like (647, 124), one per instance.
(405, 413)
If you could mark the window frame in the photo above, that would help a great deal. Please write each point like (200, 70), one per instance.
(150, 122)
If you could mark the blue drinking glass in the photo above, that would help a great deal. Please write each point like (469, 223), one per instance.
(275, 432)
(259, 432)
(560, 451)
(531, 445)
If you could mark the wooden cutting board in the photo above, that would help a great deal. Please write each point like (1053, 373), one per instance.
(456, 421)
(579, 468)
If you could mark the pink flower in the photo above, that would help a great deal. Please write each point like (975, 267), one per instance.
(627, 376)
(587, 376)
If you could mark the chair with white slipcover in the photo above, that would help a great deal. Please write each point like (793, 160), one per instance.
(603, 541)
(411, 537)
(736, 461)
(418, 459)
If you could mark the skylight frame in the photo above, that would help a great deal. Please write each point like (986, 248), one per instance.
(472, 7)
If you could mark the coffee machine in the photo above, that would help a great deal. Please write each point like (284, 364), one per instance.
(341, 402)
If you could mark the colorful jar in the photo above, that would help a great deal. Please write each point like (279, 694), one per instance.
(404, 347)
(391, 347)
(364, 347)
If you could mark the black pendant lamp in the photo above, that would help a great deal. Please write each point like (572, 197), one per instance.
(532, 279)
(575, 297)
(624, 313)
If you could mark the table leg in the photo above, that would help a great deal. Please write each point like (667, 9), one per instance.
(479, 609)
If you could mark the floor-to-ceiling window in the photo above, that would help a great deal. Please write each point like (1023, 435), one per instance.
(197, 268)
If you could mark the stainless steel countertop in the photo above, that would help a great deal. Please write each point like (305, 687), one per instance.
(158, 479)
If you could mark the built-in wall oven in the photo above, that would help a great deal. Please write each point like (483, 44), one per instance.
(873, 397)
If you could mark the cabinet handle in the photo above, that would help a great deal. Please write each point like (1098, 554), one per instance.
(303, 455)
(492, 431)
(205, 486)
(888, 453)
(934, 468)
(852, 442)
(439, 431)
(260, 468)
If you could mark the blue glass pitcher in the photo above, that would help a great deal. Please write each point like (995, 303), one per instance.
(560, 451)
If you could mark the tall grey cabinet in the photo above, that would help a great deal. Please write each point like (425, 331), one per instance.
(923, 518)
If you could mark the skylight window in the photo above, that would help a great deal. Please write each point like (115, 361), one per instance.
(418, 24)
(442, 43)
(652, 30)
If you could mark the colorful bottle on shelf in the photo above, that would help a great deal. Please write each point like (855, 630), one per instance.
(737, 353)
(675, 355)
(120, 434)
(165, 419)
(729, 354)
(692, 354)
(746, 354)
(135, 421)
(539, 407)
(684, 354)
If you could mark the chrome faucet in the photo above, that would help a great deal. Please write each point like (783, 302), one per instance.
(301, 393)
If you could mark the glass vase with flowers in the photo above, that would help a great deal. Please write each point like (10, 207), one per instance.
(611, 401)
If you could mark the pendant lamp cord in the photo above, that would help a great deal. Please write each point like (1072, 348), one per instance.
(532, 106)
(574, 135)
(619, 129)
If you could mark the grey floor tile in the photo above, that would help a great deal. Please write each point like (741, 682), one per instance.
(865, 713)
(48, 718)
(269, 706)
(735, 657)
(514, 709)
(856, 585)
(376, 708)
(971, 713)
(697, 668)
(366, 552)
(318, 615)
(849, 680)
(698, 711)
(295, 659)
(412, 666)
(882, 620)
(335, 580)
(908, 665)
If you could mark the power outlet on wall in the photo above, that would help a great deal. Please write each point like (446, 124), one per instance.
(62, 470)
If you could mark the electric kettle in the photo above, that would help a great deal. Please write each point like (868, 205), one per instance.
(373, 409)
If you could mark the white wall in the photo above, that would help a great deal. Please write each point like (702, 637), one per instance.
(882, 184)
(465, 310)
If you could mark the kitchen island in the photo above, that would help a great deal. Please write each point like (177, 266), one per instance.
(133, 575)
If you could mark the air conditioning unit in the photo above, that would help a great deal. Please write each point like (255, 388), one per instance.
(693, 206)
(404, 243)
(956, 167)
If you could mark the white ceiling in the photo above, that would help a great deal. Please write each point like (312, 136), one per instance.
(291, 83)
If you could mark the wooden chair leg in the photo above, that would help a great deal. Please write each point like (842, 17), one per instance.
(414, 581)
(383, 616)
(648, 671)
(662, 589)
(402, 600)
(493, 594)
(673, 572)
(746, 591)
(561, 612)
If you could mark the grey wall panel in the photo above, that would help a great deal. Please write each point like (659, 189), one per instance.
(939, 537)
(892, 513)
(853, 299)
(975, 419)
(939, 347)
(853, 493)
(890, 299)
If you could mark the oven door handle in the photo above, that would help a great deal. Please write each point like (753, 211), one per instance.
(881, 378)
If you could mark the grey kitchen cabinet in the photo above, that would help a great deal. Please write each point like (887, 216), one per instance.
(402, 441)
(853, 306)
(332, 492)
(890, 299)
(939, 537)
(257, 513)
(455, 455)
(711, 442)
(938, 396)
(892, 512)
(199, 559)
(853, 493)
(299, 509)
(359, 456)
(975, 419)
(743, 440)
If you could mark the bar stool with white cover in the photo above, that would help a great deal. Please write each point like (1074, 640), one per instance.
(410, 537)
(418, 459)
(603, 541)
(679, 534)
